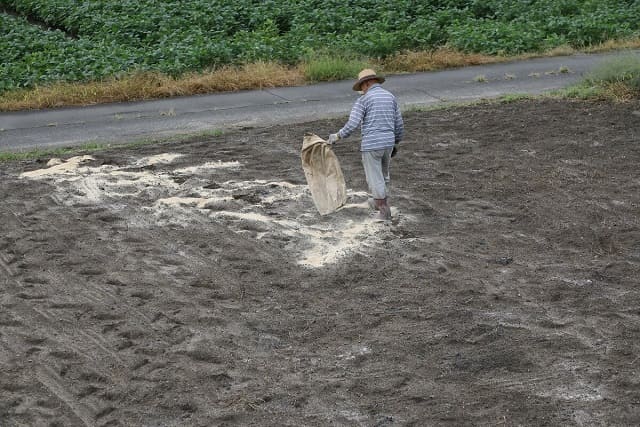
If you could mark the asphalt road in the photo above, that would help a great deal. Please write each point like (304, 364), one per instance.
(126, 122)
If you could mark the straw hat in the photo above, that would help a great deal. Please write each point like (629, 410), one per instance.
(367, 74)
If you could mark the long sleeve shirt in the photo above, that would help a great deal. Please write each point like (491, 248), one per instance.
(378, 114)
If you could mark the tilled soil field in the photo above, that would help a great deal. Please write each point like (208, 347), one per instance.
(194, 284)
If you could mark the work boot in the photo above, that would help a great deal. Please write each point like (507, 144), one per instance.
(384, 211)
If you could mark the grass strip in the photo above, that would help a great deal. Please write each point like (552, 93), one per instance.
(92, 147)
(257, 75)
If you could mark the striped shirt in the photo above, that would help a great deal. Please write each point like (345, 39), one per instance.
(378, 113)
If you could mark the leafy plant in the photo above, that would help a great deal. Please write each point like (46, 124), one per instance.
(93, 39)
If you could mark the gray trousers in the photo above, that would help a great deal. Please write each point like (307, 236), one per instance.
(376, 170)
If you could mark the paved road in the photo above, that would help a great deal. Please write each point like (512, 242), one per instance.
(125, 122)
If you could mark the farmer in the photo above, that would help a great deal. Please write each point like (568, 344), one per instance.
(377, 112)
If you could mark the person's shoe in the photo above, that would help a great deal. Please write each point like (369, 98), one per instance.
(384, 211)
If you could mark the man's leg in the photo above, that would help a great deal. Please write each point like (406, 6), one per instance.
(386, 163)
(374, 169)
(372, 163)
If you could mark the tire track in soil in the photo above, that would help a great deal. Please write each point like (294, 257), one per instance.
(73, 343)
(36, 322)
(86, 361)
(84, 296)
(52, 381)
(25, 324)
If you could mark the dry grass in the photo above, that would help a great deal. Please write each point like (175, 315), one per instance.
(448, 58)
(615, 44)
(253, 76)
(141, 86)
(439, 59)
(621, 92)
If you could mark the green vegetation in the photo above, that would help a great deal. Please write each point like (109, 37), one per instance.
(617, 79)
(53, 152)
(90, 40)
(31, 55)
(332, 68)
(624, 69)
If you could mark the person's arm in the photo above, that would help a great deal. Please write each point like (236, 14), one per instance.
(399, 125)
(355, 119)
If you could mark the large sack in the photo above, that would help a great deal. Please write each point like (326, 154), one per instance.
(324, 176)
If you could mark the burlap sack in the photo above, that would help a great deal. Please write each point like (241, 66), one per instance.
(324, 176)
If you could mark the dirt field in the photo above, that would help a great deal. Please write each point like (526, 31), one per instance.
(194, 284)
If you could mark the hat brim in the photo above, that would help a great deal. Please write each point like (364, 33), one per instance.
(358, 84)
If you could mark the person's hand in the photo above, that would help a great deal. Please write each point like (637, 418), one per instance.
(333, 138)
(394, 151)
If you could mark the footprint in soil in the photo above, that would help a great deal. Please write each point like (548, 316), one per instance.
(252, 198)
(503, 260)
